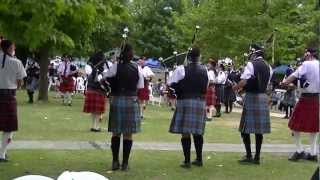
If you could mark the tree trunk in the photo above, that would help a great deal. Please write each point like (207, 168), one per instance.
(43, 82)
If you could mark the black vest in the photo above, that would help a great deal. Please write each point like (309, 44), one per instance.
(195, 82)
(92, 83)
(259, 82)
(126, 80)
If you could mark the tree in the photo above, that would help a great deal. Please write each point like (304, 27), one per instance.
(47, 27)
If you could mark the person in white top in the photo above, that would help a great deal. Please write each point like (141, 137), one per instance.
(125, 78)
(210, 94)
(12, 73)
(66, 71)
(305, 116)
(219, 88)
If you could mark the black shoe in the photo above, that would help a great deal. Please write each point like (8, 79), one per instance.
(208, 119)
(285, 117)
(186, 165)
(69, 104)
(95, 130)
(217, 115)
(172, 109)
(124, 167)
(296, 156)
(245, 160)
(197, 163)
(310, 157)
(115, 165)
(3, 160)
(256, 161)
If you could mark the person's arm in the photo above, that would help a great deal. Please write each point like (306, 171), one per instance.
(140, 84)
(21, 73)
(247, 73)
(298, 73)
(177, 75)
(110, 72)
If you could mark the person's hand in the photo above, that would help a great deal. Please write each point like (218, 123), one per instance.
(235, 87)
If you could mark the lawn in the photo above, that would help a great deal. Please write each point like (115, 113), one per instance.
(153, 165)
(52, 121)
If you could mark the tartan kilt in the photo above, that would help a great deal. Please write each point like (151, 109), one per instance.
(219, 93)
(305, 116)
(124, 116)
(255, 116)
(66, 84)
(210, 96)
(189, 117)
(143, 94)
(8, 111)
(95, 102)
(229, 95)
(32, 83)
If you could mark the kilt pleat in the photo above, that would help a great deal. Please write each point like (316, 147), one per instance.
(210, 96)
(305, 116)
(189, 117)
(219, 93)
(95, 102)
(124, 116)
(229, 95)
(255, 116)
(67, 85)
(8, 113)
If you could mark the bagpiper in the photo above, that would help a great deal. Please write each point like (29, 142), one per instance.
(66, 71)
(12, 74)
(255, 117)
(33, 72)
(190, 82)
(305, 116)
(95, 95)
(124, 117)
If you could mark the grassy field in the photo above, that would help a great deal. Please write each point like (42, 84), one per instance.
(52, 121)
(153, 165)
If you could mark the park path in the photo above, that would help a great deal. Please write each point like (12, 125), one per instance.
(98, 145)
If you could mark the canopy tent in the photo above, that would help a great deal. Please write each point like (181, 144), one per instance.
(280, 69)
(153, 63)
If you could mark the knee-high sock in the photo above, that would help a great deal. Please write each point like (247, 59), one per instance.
(259, 139)
(6, 140)
(94, 124)
(297, 140)
(230, 106)
(115, 146)
(186, 146)
(247, 144)
(127, 144)
(313, 143)
(218, 109)
(68, 98)
(209, 112)
(227, 106)
(198, 144)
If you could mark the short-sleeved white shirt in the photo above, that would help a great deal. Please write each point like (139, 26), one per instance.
(13, 70)
(309, 69)
(249, 71)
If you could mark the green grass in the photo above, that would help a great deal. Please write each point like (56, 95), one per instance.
(154, 165)
(52, 121)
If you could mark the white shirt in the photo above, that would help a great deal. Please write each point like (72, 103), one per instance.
(211, 76)
(61, 68)
(113, 71)
(178, 75)
(221, 78)
(13, 70)
(147, 72)
(309, 69)
(249, 71)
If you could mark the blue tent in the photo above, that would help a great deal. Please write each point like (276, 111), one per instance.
(153, 63)
(280, 69)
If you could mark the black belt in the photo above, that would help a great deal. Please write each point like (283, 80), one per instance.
(310, 94)
(7, 92)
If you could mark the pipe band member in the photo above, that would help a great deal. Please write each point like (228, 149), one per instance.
(255, 118)
(191, 83)
(95, 96)
(124, 116)
(12, 73)
(305, 116)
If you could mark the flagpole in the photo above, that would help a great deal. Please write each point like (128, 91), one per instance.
(273, 45)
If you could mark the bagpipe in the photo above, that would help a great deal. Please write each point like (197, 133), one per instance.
(107, 83)
(175, 88)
